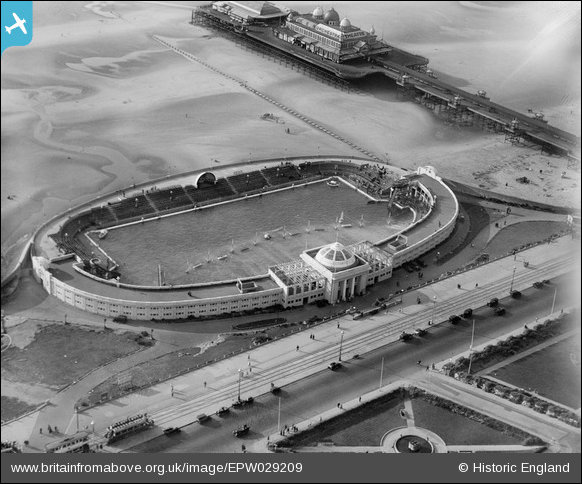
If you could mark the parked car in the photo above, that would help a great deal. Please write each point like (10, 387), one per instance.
(222, 410)
(121, 318)
(420, 331)
(334, 365)
(467, 313)
(202, 417)
(454, 319)
(515, 294)
(404, 336)
(241, 431)
(493, 303)
(538, 285)
(499, 311)
(172, 430)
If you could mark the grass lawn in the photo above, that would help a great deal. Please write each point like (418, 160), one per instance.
(366, 425)
(13, 407)
(538, 371)
(455, 429)
(60, 354)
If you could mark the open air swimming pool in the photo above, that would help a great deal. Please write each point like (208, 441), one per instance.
(227, 241)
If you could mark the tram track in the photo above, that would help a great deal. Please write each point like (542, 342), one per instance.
(375, 338)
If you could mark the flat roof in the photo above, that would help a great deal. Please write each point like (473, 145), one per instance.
(66, 273)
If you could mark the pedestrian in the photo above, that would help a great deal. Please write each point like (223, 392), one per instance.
(40, 430)
(418, 362)
(50, 430)
(338, 405)
(427, 368)
(172, 390)
(458, 286)
(360, 400)
(476, 285)
(433, 367)
(56, 430)
(205, 382)
(297, 349)
(249, 356)
(525, 326)
(338, 325)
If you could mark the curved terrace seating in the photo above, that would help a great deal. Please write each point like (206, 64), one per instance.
(245, 182)
(280, 174)
(132, 207)
(220, 189)
(169, 198)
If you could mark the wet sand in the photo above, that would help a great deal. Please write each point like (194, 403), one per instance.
(95, 104)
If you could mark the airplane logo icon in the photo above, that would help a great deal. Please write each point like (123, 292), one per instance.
(19, 23)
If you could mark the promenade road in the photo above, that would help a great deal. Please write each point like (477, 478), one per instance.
(281, 362)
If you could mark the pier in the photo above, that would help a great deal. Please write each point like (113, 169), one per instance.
(413, 80)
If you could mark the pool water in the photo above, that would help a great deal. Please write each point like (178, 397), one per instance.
(236, 230)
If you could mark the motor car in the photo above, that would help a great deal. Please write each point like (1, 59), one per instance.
(404, 336)
(499, 311)
(467, 313)
(515, 294)
(334, 365)
(420, 331)
(454, 318)
(222, 410)
(538, 285)
(493, 303)
(243, 430)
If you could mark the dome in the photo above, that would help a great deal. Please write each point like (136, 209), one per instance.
(331, 16)
(345, 23)
(318, 12)
(335, 257)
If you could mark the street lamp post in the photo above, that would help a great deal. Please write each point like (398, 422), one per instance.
(434, 299)
(512, 279)
(471, 348)
(239, 378)
(341, 343)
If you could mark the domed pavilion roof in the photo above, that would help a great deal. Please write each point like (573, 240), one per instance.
(335, 257)
(318, 12)
(331, 16)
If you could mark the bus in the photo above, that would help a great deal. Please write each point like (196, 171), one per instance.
(72, 444)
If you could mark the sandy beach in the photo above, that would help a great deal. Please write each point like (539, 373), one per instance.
(95, 104)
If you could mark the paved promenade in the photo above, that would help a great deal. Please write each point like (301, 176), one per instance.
(290, 359)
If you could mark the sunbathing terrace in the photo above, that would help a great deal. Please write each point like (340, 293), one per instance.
(74, 284)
